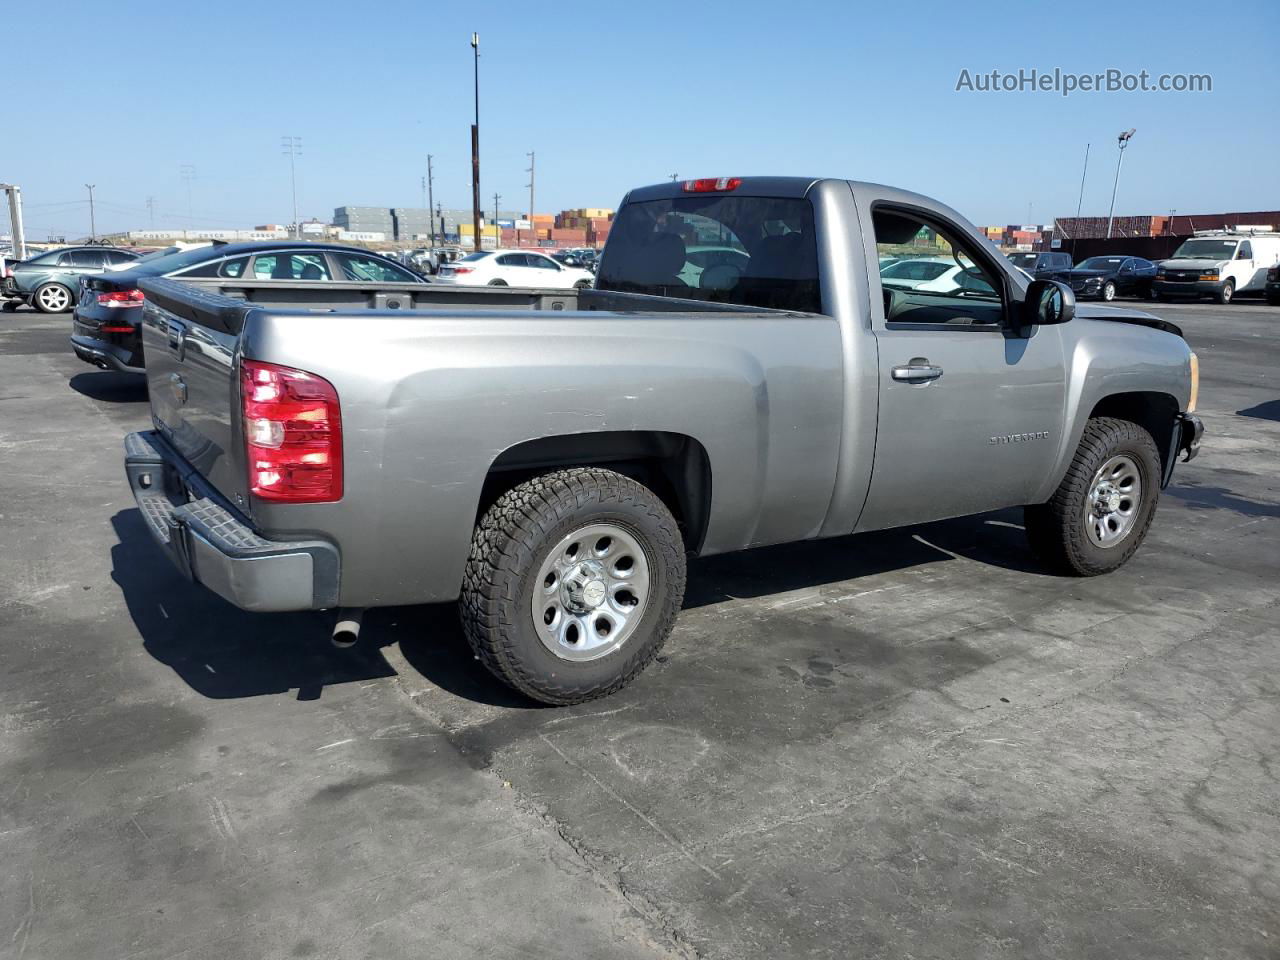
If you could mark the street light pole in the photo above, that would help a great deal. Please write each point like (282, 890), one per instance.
(1123, 139)
(475, 147)
(497, 231)
(1083, 174)
(293, 147)
(431, 202)
(93, 226)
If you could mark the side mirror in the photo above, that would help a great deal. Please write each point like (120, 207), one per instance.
(1046, 302)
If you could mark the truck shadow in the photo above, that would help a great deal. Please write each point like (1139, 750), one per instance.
(111, 387)
(222, 652)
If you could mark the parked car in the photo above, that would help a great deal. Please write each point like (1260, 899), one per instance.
(906, 274)
(553, 467)
(108, 313)
(1273, 286)
(1043, 266)
(726, 263)
(1218, 265)
(513, 268)
(50, 281)
(1105, 278)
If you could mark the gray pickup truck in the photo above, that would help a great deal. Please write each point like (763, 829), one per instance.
(740, 376)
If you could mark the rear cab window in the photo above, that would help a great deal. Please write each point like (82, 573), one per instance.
(750, 251)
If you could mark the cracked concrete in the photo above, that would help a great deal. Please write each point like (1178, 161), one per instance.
(909, 744)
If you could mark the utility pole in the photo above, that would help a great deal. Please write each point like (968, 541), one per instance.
(475, 147)
(188, 172)
(431, 201)
(1123, 139)
(15, 219)
(151, 211)
(292, 147)
(1080, 202)
(440, 217)
(1171, 213)
(532, 174)
(497, 230)
(675, 177)
(93, 225)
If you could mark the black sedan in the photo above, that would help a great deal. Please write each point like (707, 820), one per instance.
(106, 321)
(1106, 278)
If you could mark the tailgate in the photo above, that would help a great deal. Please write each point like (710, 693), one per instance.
(190, 340)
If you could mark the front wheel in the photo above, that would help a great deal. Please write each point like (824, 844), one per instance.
(573, 584)
(1272, 299)
(52, 298)
(1100, 513)
(1108, 291)
(1226, 293)
(582, 285)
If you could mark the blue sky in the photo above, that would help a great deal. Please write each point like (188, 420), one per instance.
(616, 94)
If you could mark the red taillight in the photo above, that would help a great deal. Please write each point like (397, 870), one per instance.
(712, 184)
(463, 269)
(117, 328)
(121, 298)
(293, 434)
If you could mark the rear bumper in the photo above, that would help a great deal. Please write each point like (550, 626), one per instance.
(105, 355)
(213, 546)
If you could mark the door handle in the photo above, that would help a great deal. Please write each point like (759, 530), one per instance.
(917, 370)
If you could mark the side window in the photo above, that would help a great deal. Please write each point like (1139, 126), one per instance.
(543, 263)
(939, 279)
(290, 266)
(512, 260)
(87, 258)
(118, 256)
(218, 268)
(1246, 251)
(366, 269)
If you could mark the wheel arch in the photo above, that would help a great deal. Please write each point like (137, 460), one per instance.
(1154, 411)
(675, 466)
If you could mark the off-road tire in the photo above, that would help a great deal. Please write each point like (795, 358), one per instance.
(1056, 529)
(512, 540)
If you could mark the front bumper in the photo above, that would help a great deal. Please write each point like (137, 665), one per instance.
(106, 356)
(213, 546)
(1188, 429)
(1187, 288)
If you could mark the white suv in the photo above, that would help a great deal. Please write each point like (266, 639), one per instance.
(1218, 265)
(513, 268)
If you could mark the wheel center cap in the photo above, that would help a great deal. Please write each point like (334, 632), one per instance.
(1107, 498)
(584, 586)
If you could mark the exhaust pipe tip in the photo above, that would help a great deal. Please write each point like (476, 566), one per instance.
(346, 632)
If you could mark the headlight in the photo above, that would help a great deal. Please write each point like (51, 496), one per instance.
(1093, 281)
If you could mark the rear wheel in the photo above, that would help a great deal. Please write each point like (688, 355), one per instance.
(1100, 513)
(10, 306)
(52, 298)
(1226, 293)
(497, 283)
(573, 584)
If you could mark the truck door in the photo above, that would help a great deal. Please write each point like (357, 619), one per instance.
(969, 412)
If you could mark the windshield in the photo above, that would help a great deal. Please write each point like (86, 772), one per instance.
(1205, 249)
(1023, 259)
(168, 262)
(767, 255)
(1101, 263)
(478, 255)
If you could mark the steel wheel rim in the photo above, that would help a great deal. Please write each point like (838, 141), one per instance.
(54, 299)
(591, 592)
(1114, 501)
